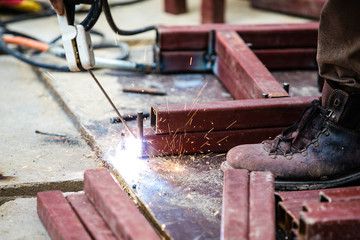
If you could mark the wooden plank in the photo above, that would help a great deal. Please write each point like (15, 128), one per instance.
(89, 216)
(213, 11)
(119, 212)
(247, 68)
(227, 115)
(235, 205)
(175, 6)
(203, 142)
(262, 206)
(58, 217)
(304, 8)
(260, 36)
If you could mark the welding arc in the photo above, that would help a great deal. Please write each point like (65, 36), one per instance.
(111, 103)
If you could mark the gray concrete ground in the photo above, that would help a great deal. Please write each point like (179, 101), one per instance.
(31, 162)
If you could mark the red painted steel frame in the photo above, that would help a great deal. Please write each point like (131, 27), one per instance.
(227, 115)
(203, 142)
(261, 36)
(90, 217)
(119, 212)
(247, 68)
(262, 206)
(58, 217)
(331, 221)
(304, 8)
(235, 205)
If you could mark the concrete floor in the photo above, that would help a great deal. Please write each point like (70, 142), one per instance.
(33, 162)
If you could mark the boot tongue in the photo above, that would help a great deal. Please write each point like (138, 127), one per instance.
(325, 95)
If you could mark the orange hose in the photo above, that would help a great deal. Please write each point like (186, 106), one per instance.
(27, 42)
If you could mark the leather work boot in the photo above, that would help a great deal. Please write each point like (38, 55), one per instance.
(321, 150)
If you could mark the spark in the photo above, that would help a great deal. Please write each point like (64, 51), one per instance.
(190, 61)
(231, 125)
(206, 143)
(197, 97)
(222, 139)
(163, 226)
(216, 213)
(208, 132)
(219, 155)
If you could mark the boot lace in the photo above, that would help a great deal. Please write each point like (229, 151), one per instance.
(299, 136)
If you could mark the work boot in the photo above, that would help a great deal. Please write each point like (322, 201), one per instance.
(321, 150)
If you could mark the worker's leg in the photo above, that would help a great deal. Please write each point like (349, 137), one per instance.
(323, 148)
(339, 43)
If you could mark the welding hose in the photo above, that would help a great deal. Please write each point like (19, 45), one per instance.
(110, 20)
(17, 54)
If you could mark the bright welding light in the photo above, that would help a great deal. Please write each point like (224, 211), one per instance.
(126, 159)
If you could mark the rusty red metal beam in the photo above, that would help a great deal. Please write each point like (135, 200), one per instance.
(260, 36)
(340, 194)
(261, 206)
(213, 11)
(227, 115)
(273, 59)
(235, 204)
(229, 80)
(90, 217)
(114, 205)
(304, 8)
(332, 220)
(175, 6)
(58, 217)
(183, 61)
(247, 68)
(203, 142)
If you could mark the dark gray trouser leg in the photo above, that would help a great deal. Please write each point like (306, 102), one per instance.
(339, 43)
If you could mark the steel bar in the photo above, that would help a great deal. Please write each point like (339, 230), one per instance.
(304, 8)
(227, 115)
(247, 68)
(260, 36)
(184, 61)
(261, 206)
(332, 220)
(273, 59)
(228, 79)
(235, 204)
(298, 195)
(140, 124)
(58, 217)
(291, 58)
(175, 6)
(213, 11)
(203, 142)
(340, 194)
(288, 213)
(114, 205)
(89, 216)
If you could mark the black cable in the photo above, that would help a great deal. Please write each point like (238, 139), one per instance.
(4, 47)
(110, 20)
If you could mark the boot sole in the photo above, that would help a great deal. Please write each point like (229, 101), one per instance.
(307, 185)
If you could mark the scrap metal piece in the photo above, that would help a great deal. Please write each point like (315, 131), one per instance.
(90, 217)
(114, 205)
(175, 6)
(235, 205)
(227, 115)
(152, 91)
(213, 11)
(58, 217)
(247, 68)
(303, 8)
(261, 206)
(331, 220)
